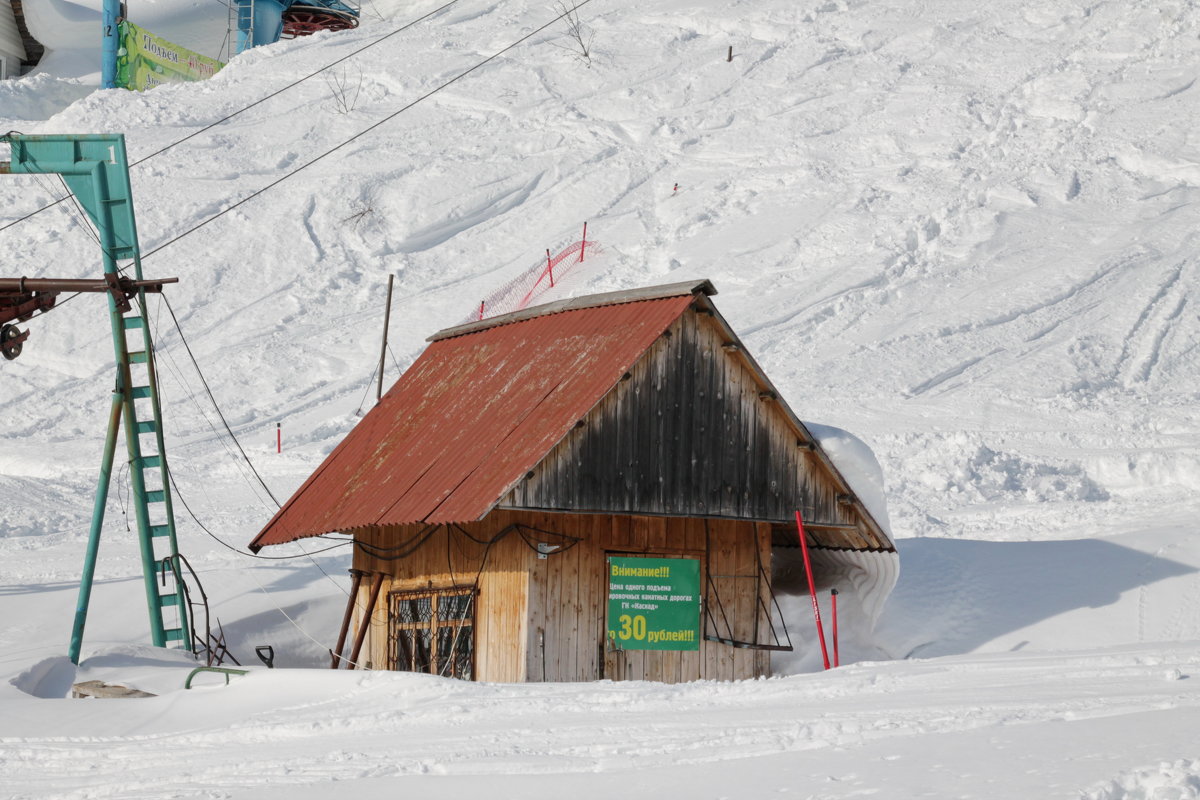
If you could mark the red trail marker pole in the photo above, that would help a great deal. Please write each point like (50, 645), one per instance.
(278, 438)
(583, 243)
(812, 591)
(837, 662)
(550, 267)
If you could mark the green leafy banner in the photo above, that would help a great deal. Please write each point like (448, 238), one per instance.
(145, 60)
(654, 603)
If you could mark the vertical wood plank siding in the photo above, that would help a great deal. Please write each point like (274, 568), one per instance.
(544, 619)
(690, 433)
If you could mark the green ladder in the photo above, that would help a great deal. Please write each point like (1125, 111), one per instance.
(96, 170)
(137, 394)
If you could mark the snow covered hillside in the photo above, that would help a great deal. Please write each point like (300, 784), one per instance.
(965, 232)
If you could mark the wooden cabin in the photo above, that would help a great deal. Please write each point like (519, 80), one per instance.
(586, 489)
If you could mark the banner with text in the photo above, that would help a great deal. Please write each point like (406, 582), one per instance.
(145, 60)
(654, 603)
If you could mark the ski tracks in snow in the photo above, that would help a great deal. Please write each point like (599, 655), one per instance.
(403, 725)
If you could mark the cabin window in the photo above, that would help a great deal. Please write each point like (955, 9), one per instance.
(433, 631)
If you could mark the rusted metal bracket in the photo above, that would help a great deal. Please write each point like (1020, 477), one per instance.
(128, 286)
(22, 298)
(12, 341)
(21, 305)
(120, 297)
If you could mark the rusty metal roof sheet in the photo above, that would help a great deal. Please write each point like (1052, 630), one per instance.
(480, 407)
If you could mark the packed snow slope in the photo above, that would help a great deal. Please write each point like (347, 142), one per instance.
(964, 232)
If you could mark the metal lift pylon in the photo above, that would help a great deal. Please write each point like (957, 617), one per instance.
(95, 169)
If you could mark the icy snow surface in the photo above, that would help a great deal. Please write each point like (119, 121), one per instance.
(964, 232)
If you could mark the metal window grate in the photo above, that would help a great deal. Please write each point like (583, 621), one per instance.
(433, 631)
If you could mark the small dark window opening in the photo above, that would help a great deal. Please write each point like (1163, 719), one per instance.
(433, 631)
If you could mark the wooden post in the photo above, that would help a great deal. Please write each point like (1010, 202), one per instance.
(345, 629)
(730, 56)
(387, 318)
(583, 243)
(366, 620)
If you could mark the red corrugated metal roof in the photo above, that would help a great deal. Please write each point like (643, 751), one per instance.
(480, 408)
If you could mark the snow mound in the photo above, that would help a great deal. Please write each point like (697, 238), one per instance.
(1175, 780)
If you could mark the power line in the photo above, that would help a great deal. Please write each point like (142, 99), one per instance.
(260, 101)
(303, 553)
(84, 221)
(213, 400)
(297, 82)
(365, 131)
(19, 220)
(227, 545)
(191, 395)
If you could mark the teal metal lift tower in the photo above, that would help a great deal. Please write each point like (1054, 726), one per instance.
(95, 169)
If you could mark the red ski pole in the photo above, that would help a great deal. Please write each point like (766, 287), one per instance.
(812, 591)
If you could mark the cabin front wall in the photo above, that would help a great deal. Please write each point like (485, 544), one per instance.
(544, 619)
(415, 557)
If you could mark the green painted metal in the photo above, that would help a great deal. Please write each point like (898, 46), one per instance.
(87, 162)
(226, 671)
(93, 546)
(96, 169)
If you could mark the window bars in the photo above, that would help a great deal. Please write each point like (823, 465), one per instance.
(433, 631)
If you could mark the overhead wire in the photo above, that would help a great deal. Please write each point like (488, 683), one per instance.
(303, 553)
(386, 119)
(227, 545)
(191, 395)
(296, 82)
(365, 131)
(220, 437)
(255, 194)
(32, 214)
(258, 102)
(295, 624)
(469, 608)
(213, 400)
(366, 390)
(396, 553)
(83, 219)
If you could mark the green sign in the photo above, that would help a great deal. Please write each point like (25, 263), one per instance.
(654, 603)
(145, 60)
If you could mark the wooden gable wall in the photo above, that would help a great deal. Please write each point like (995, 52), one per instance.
(693, 431)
